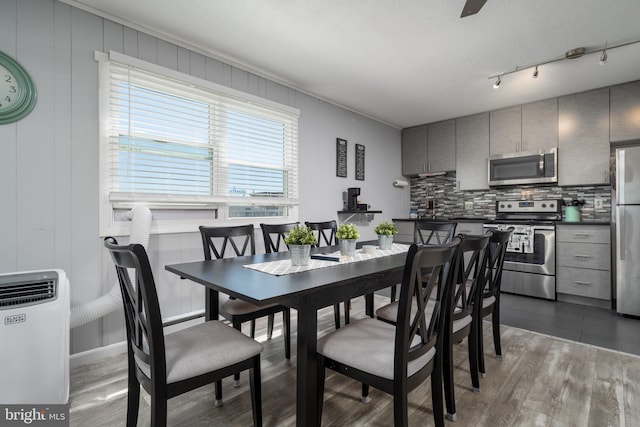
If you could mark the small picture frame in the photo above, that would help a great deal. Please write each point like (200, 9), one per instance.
(341, 157)
(360, 162)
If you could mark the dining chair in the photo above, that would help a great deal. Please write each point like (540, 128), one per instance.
(462, 313)
(491, 293)
(274, 235)
(216, 241)
(405, 354)
(430, 232)
(172, 364)
(326, 235)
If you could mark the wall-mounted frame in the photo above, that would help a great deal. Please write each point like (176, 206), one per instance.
(360, 162)
(341, 157)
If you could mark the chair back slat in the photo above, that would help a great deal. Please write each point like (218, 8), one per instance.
(142, 310)
(428, 232)
(325, 232)
(472, 275)
(274, 234)
(215, 240)
(419, 289)
(497, 251)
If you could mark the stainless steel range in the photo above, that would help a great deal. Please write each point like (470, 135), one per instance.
(530, 262)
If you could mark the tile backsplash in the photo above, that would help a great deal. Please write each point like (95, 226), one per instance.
(449, 202)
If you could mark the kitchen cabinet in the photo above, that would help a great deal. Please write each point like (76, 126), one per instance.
(414, 150)
(583, 138)
(505, 130)
(441, 146)
(583, 264)
(528, 127)
(472, 152)
(540, 125)
(429, 148)
(405, 231)
(625, 112)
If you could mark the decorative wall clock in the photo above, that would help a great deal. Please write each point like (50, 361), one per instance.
(17, 91)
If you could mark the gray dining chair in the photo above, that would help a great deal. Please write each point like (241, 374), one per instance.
(405, 354)
(172, 364)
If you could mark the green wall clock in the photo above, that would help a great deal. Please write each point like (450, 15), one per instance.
(17, 91)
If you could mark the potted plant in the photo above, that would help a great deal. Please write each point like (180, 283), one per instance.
(347, 235)
(385, 231)
(299, 241)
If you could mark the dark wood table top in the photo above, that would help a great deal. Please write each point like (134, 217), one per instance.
(230, 277)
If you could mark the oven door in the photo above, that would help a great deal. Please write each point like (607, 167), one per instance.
(543, 258)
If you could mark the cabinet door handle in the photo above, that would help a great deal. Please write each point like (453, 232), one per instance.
(581, 234)
(578, 282)
(582, 256)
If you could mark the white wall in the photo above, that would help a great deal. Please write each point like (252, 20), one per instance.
(49, 164)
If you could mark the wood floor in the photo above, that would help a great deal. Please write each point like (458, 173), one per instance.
(542, 381)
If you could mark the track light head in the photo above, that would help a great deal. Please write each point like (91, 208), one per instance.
(496, 85)
(535, 73)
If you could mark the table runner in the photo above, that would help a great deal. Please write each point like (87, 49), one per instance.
(282, 267)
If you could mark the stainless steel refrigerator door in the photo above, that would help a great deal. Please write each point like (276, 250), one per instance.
(628, 176)
(628, 259)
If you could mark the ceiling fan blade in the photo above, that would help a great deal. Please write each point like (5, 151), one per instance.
(471, 7)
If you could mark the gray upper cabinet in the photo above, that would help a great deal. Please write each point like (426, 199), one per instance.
(625, 112)
(441, 146)
(472, 151)
(414, 150)
(583, 138)
(540, 125)
(505, 130)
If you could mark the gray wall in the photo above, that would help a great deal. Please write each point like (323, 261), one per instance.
(49, 164)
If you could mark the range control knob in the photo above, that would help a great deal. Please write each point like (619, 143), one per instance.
(502, 206)
(544, 205)
(509, 206)
(551, 205)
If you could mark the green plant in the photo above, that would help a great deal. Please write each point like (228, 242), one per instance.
(386, 229)
(301, 235)
(347, 231)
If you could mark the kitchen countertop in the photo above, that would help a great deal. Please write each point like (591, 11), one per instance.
(461, 219)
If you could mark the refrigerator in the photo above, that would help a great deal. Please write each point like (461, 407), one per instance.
(627, 230)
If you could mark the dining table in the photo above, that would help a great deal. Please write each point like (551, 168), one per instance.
(306, 291)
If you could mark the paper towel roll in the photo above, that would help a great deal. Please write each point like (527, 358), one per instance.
(400, 183)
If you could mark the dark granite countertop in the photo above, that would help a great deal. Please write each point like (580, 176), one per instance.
(584, 223)
(462, 219)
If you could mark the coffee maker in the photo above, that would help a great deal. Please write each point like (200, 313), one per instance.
(352, 198)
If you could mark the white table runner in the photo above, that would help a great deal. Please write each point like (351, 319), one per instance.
(282, 267)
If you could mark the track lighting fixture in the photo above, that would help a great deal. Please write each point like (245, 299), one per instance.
(603, 57)
(570, 54)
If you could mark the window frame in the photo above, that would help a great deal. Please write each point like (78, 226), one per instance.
(175, 216)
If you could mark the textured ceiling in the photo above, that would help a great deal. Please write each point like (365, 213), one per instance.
(403, 62)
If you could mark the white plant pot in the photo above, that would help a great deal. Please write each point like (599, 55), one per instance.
(347, 247)
(300, 254)
(385, 242)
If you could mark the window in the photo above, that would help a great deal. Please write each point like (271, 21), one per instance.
(179, 143)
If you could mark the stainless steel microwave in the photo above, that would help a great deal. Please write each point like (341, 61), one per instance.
(530, 167)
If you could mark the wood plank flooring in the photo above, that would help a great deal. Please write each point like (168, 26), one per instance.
(542, 381)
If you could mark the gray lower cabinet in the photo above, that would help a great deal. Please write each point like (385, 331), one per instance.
(405, 231)
(583, 138)
(583, 264)
(625, 112)
(472, 152)
(469, 228)
(414, 150)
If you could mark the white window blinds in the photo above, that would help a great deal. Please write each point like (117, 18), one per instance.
(190, 141)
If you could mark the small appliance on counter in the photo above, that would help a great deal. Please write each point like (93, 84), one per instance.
(572, 211)
(352, 200)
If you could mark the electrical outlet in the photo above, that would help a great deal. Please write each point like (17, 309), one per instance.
(598, 203)
(468, 205)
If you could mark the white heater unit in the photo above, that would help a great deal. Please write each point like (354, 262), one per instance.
(34, 332)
